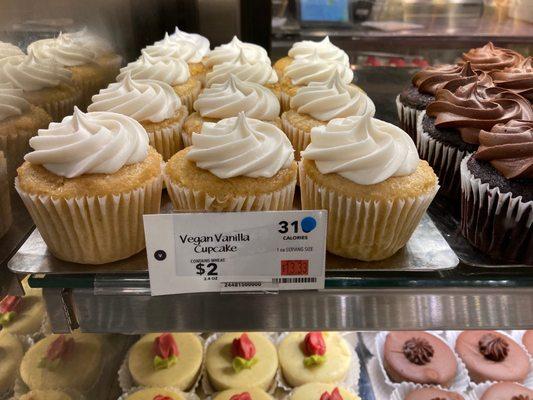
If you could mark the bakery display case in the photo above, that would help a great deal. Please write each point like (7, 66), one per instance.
(409, 121)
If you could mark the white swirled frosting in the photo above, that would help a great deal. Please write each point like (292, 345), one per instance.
(62, 50)
(91, 143)
(12, 102)
(169, 70)
(304, 70)
(241, 146)
(90, 41)
(325, 50)
(227, 99)
(142, 100)
(230, 52)
(242, 68)
(332, 99)
(29, 74)
(182, 50)
(8, 50)
(362, 149)
(202, 43)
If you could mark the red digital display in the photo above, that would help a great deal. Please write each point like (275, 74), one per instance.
(294, 267)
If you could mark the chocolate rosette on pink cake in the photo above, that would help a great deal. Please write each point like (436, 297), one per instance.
(497, 193)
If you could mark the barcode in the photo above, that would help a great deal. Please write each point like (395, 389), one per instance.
(295, 280)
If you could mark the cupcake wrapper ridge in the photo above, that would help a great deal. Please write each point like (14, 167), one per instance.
(408, 118)
(364, 230)
(186, 139)
(15, 146)
(285, 101)
(188, 99)
(6, 218)
(94, 230)
(58, 109)
(299, 138)
(496, 223)
(167, 141)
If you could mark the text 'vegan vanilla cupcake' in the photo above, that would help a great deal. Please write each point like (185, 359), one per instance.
(367, 174)
(154, 104)
(317, 104)
(44, 84)
(87, 185)
(172, 71)
(237, 164)
(226, 100)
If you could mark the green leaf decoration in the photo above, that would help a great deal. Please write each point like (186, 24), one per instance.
(164, 363)
(6, 318)
(313, 360)
(240, 363)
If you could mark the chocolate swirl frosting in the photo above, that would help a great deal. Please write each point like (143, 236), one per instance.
(494, 348)
(518, 79)
(418, 351)
(448, 76)
(474, 107)
(490, 58)
(509, 148)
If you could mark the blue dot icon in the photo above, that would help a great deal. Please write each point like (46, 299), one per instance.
(308, 224)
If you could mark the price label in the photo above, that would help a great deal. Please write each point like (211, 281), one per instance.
(249, 251)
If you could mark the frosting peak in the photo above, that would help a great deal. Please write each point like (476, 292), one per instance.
(518, 79)
(181, 49)
(362, 149)
(201, 43)
(493, 347)
(165, 69)
(331, 99)
(312, 68)
(418, 351)
(489, 58)
(62, 50)
(91, 143)
(142, 100)
(241, 146)
(225, 100)
(9, 50)
(12, 101)
(230, 52)
(509, 148)
(324, 49)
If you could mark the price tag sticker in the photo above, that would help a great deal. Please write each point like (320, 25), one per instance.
(245, 251)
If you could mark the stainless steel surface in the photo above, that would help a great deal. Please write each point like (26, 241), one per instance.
(354, 309)
(426, 251)
(59, 309)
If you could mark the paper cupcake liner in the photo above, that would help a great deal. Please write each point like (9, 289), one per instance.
(94, 230)
(205, 384)
(168, 140)
(127, 384)
(496, 223)
(186, 139)
(365, 230)
(406, 387)
(88, 88)
(6, 217)
(14, 146)
(59, 109)
(187, 396)
(185, 199)
(188, 99)
(351, 381)
(285, 101)
(445, 160)
(299, 138)
(460, 384)
(451, 338)
(408, 118)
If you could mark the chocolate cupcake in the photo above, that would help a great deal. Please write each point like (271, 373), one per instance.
(507, 390)
(432, 393)
(517, 79)
(419, 357)
(492, 356)
(425, 83)
(449, 129)
(497, 193)
(491, 58)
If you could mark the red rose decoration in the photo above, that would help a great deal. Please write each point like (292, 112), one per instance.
(314, 344)
(165, 346)
(60, 348)
(161, 397)
(335, 395)
(241, 396)
(9, 304)
(243, 347)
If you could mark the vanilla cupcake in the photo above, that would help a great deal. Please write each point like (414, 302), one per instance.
(324, 48)
(6, 218)
(44, 84)
(317, 104)
(181, 48)
(226, 100)
(230, 53)
(367, 174)
(87, 185)
(304, 70)
(237, 164)
(154, 104)
(19, 121)
(78, 58)
(9, 50)
(172, 71)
